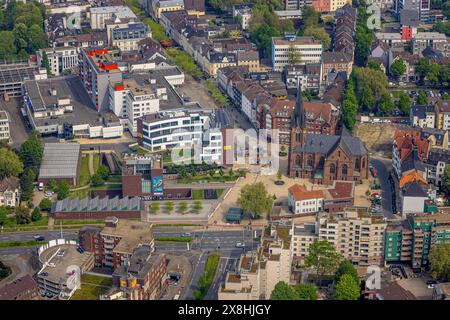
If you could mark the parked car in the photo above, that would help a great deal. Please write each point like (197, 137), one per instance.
(41, 186)
(48, 194)
(186, 234)
(431, 284)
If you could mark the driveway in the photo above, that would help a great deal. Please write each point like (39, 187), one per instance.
(386, 192)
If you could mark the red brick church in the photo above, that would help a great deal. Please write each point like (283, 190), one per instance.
(324, 158)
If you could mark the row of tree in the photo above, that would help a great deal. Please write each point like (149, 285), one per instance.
(22, 29)
(364, 36)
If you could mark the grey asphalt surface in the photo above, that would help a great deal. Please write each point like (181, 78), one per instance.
(386, 196)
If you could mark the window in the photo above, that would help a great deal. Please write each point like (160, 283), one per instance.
(344, 170)
(332, 169)
(298, 161)
(357, 164)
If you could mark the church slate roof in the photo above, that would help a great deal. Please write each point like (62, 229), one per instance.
(325, 144)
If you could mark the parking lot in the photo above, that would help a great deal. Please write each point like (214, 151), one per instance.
(19, 130)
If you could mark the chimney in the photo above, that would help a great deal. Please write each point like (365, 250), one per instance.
(111, 222)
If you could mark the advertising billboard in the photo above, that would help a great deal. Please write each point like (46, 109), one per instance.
(157, 183)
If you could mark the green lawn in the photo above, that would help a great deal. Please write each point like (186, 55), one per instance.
(96, 161)
(92, 287)
(80, 221)
(83, 193)
(198, 194)
(11, 223)
(85, 177)
(216, 178)
(207, 278)
(115, 178)
(20, 244)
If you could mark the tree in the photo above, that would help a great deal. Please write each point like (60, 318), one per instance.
(323, 258)
(168, 206)
(52, 185)
(363, 37)
(319, 33)
(306, 291)
(294, 56)
(197, 206)
(445, 96)
(31, 152)
(404, 103)
(347, 288)
(46, 63)
(7, 47)
(36, 38)
(279, 175)
(440, 261)
(97, 180)
(182, 207)
(10, 164)
(385, 105)
(366, 99)
(27, 184)
(212, 173)
(398, 68)
(446, 179)
(422, 68)
(22, 215)
(372, 64)
(45, 204)
(103, 172)
(346, 267)
(231, 172)
(374, 79)
(154, 207)
(254, 198)
(36, 214)
(422, 99)
(63, 190)
(282, 291)
(349, 113)
(221, 172)
(310, 17)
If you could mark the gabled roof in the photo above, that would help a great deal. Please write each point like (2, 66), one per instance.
(414, 189)
(9, 183)
(326, 144)
(300, 193)
(411, 177)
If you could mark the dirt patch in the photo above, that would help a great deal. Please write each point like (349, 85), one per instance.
(377, 137)
(197, 92)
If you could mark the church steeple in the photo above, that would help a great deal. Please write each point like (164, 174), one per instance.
(298, 117)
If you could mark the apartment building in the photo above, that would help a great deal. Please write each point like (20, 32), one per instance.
(435, 165)
(308, 49)
(114, 245)
(97, 70)
(337, 4)
(420, 6)
(4, 126)
(126, 36)
(131, 100)
(99, 15)
(160, 6)
(200, 130)
(434, 40)
(412, 240)
(423, 116)
(248, 58)
(258, 272)
(13, 76)
(443, 115)
(309, 76)
(356, 234)
(143, 277)
(336, 62)
(60, 59)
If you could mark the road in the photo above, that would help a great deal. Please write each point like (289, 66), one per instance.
(386, 191)
(205, 242)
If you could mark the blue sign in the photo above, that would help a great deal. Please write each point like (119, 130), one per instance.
(157, 185)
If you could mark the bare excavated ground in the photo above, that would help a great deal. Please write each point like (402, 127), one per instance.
(377, 137)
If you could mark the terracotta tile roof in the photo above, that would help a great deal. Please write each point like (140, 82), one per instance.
(405, 141)
(300, 193)
(411, 177)
(282, 105)
(342, 190)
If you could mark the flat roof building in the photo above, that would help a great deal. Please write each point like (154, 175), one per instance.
(60, 162)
